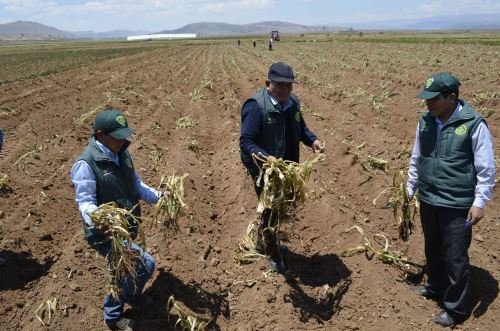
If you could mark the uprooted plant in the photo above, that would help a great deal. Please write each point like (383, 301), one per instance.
(400, 202)
(397, 259)
(283, 185)
(247, 252)
(171, 204)
(116, 222)
(185, 321)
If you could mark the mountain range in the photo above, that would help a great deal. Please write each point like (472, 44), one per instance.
(23, 30)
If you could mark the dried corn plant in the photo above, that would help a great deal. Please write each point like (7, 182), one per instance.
(397, 259)
(400, 204)
(122, 258)
(185, 321)
(3, 181)
(47, 308)
(369, 163)
(185, 122)
(283, 183)
(246, 252)
(171, 205)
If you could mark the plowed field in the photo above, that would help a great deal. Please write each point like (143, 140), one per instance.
(358, 97)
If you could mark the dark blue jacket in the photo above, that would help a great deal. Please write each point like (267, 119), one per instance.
(253, 131)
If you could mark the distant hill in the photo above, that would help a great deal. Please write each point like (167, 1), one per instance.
(209, 29)
(449, 22)
(115, 34)
(22, 30)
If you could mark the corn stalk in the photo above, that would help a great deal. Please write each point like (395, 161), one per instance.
(401, 205)
(184, 321)
(171, 205)
(246, 248)
(283, 186)
(46, 308)
(3, 181)
(122, 258)
(397, 259)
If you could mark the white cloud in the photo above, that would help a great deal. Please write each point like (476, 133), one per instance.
(444, 7)
(228, 6)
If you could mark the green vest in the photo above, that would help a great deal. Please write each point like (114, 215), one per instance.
(272, 138)
(447, 176)
(113, 183)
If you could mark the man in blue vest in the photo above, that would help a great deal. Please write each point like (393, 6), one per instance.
(272, 127)
(452, 166)
(104, 172)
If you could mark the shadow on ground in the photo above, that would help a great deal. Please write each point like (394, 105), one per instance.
(18, 269)
(309, 273)
(192, 297)
(483, 289)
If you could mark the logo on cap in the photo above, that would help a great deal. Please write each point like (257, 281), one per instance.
(121, 120)
(429, 82)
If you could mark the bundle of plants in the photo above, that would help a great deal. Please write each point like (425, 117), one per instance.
(399, 260)
(283, 183)
(185, 321)
(171, 204)
(116, 222)
(401, 205)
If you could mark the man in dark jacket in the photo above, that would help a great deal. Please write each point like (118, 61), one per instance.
(104, 172)
(272, 127)
(453, 168)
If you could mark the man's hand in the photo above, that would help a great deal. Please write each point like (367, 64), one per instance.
(271, 158)
(317, 147)
(475, 214)
(106, 230)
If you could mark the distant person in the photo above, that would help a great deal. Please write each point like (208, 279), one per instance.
(254, 43)
(270, 44)
(239, 42)
(272, 127)
(104, 172)
(453, 167)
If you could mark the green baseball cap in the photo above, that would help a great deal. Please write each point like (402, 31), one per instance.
(442, 82)
(112, 122)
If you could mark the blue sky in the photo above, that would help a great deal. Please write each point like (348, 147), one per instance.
(157, 15)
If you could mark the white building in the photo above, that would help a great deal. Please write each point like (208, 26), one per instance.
(162, 36)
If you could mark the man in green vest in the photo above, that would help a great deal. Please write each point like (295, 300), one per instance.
(272, 127)
(452, 166)
(104, 172)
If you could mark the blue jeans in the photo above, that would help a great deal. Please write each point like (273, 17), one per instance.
(130, 290)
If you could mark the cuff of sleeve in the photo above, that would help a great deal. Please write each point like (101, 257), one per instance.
(480, 203)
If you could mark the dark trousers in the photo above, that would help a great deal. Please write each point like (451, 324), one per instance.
(446, 243)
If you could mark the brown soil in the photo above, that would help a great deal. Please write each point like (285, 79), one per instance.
(41, 233)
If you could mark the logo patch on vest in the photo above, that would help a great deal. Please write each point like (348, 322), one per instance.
(121, 120)
(128, 163)
(297, 117)
(425, 128)
(429, 82)
(461, 130)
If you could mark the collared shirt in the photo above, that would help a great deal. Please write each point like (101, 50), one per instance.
(288, 104)
(83, 178)
(484, 162)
